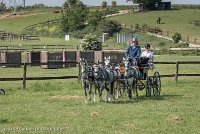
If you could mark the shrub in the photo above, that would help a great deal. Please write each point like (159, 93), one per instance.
(176, 37)
(91, 42)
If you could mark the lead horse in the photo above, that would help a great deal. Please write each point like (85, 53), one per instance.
(131, 73)
(104, 79)
(86, 78)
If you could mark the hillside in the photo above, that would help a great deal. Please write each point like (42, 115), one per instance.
(15, 24)
(181, 20)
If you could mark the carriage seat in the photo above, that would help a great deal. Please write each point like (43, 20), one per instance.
(144, 63)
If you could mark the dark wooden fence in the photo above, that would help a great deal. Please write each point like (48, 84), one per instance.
(159, 31)
(25, 78)
(178, 63)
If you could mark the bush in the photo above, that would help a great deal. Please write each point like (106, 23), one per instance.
(91, 42)
(176, 37)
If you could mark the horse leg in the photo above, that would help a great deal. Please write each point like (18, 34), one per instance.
(108, 94)
(130, 91)
(111, 90)
(90, 90)
(95, 90)
(100, 93)
(85, 90)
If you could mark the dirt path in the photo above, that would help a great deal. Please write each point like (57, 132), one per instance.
(160, 36)
(10, 16)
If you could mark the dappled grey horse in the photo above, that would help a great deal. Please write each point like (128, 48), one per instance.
(114, 71)
(103, 80)
(86, 78)
(111, 69)
(131, 72)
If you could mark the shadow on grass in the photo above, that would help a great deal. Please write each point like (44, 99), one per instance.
(144, 98)
(159, 98)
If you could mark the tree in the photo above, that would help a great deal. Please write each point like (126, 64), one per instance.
(104, 4)
(95, 18)
(74, 16)
(114, 4)
(72, 3)
(149, 4)
(110, 26)
(2, 7)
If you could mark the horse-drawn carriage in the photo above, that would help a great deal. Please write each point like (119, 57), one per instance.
(119, 80)
(139, 78)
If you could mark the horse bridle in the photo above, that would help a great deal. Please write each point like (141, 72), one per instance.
(99, 70)
(128, 68)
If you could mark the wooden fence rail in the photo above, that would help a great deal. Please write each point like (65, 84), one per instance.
(158, 31)
(25, 78)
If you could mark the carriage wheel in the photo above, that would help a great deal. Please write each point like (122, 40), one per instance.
(156, 84)
(148, 87)
(135, 87)
(2, 92)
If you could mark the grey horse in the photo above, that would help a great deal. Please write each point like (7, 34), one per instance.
(86, 78)
(103, 80)
(131, 72)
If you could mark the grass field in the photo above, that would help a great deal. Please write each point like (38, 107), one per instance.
(16, 24)
(58, 106)
(171, 20)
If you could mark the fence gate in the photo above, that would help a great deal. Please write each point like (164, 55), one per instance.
(124, 38)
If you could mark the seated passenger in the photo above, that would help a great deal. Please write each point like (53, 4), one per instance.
(147, 53)
(147, 57)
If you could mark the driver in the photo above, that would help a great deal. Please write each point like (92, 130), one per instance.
(134, 50)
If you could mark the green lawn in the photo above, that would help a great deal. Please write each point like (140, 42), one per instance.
(58, 106)
(171, 20)
(16, 24)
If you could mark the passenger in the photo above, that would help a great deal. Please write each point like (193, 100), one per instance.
(147, 53)
(147, 59)
(133, 51)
